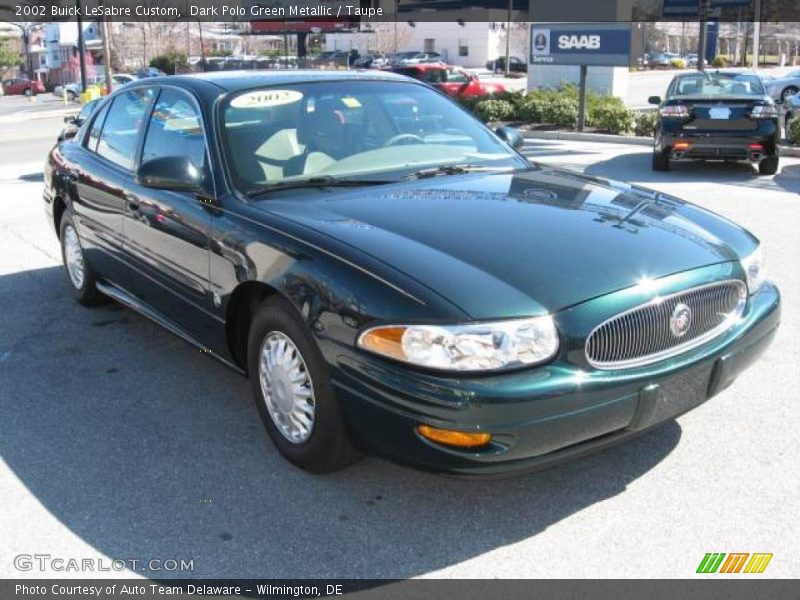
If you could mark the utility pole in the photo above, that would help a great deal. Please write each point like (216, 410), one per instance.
(81, 45)
(756, 32)
(508, 37)
(701, 39)
(107, 55)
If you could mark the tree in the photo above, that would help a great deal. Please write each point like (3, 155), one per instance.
(168, 61)
(8, 56)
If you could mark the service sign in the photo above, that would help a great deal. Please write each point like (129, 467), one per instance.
(594, 44)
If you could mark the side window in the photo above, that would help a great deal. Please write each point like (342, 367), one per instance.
(122, 127)
(175, 130)
(97, 127)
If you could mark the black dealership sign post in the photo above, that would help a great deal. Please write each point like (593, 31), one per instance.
(582, 45)
(582, 98)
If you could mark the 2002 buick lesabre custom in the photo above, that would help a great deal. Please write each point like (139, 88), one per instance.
(393, 275)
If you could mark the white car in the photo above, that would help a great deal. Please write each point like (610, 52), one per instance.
(415, 58)
(73, 90)
(783, 88)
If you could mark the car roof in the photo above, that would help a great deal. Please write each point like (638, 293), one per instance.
(231, 81)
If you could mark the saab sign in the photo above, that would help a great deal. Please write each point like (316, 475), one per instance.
(595, 44)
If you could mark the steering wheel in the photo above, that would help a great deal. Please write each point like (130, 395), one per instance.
(409, 137)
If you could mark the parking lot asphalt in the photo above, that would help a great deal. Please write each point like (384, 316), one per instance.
(118, 440)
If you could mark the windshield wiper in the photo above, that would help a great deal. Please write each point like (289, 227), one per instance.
(325, 181)
(454, 170)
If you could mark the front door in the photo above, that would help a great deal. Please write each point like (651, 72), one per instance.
(167, 232)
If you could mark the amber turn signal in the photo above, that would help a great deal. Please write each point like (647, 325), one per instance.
(462, 439)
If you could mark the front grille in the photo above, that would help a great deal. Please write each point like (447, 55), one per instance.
(661, 329)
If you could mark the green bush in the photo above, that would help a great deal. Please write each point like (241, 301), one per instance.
(678, 63)
(720, 62)
(561, 112)
(168, 61)
(793, 132)
(494, 110)
(515, 98)
(645, 123)
(612, 118)
(532, 109)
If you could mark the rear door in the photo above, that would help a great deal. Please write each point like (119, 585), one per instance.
(102, 173)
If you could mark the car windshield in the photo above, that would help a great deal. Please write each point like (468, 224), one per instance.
(718, 84)
(351, 129)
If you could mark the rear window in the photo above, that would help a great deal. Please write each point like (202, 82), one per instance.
(718, 84)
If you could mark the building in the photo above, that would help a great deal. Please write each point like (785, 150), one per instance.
(53, 52)
(467, 44)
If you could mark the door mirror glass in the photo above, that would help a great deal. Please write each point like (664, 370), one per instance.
(511, 136)
(654, 100)
(176, 173)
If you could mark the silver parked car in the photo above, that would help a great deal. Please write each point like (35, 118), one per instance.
(783, 88)
(73, 90)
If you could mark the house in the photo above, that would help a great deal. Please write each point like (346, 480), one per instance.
(53, 52)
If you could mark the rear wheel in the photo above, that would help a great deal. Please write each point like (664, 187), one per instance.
(293, 391)
(71, 96)
(660, 161)
(768, 166)
(80, 275)
(788, 92)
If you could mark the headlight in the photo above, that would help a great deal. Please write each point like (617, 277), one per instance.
(755, 268)
(488, 346)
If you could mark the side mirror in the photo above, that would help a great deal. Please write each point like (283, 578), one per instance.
(654, 100)
(511, 136)
(176, 173)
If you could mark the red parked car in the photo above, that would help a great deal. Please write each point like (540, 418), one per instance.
(22, 85)
(453, 81)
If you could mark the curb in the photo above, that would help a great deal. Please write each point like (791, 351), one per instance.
(629, 140)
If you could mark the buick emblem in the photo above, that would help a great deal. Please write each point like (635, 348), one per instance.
(681, 320)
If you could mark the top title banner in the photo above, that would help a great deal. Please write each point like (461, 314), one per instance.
(355, 12)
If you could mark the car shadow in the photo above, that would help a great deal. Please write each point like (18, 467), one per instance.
(635, 166)
(145, 448)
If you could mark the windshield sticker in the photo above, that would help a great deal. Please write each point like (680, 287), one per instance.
(266, 98)
(351, 102)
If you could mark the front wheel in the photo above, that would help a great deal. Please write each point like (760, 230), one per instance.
(71, 96)
(788, 92)
(293, 391)
(768, 166)
(80, 275)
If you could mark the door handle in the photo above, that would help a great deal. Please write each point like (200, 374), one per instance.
(132, 201)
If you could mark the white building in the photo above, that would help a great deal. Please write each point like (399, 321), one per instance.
(467, 44)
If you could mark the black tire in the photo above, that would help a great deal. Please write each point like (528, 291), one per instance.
(660, 161)
(86, 293)
(788, 92)
(768, 166)
(71, 96)
(328, 447)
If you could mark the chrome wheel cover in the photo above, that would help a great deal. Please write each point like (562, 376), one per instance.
(73, 257)
(287, 387)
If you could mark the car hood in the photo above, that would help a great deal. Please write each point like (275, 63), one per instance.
(509, 245)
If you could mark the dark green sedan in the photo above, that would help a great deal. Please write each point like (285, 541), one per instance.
(393, 276)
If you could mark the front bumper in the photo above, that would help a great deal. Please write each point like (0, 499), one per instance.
(541, 416)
